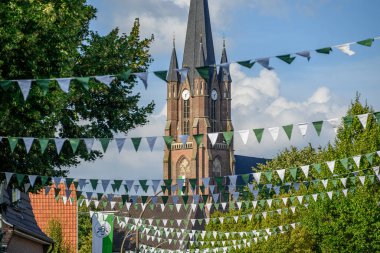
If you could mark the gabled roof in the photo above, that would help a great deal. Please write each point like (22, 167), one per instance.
(21, 218)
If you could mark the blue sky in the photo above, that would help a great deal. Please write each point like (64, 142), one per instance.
(300, 92)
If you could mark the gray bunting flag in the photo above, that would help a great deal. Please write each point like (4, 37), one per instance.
(305, 54)
(215, 197)
(28, 142)
(155, 184)
(226, 67)
(57, 181)
(64, 84)
(212, 188)
(120, 143)
(206, 181)
(32, 179)
(233, 179)
(105, 183)
(151, 141)
(183, 72)
(134, 198)
(68, 193)
(110, 197)
(107, 80)
(250, 186)
(8, 177)
(180, 183)
(89, 195)
(129, 184)
(143, 77)
(89, 144)
(265, 63)
(24, 87)
(175, 199)
(47, 190)
(26, 187)
(81, 183)
(184, 139)
(255, 193)
(276, 190)
(173, 188)
(59, 144)
(235, 196)
(196, 199)
(154, 200)
(136, 187)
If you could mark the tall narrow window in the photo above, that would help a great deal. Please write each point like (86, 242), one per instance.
(213, 116)
(186, 117)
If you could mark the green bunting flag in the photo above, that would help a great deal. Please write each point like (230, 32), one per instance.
(367, 42)
(74, 144)
(168, 141)
(161, 74)
(325, 50)
(84, 81)
(12, 143)
(20, 179)
(44, 180)
(94, 183)
(259, 133)
(125, 75)
(204, 72)
(116, 185)
(286, 58)
(288, 130)
(318, 127)
(104, 142)
(44, 85)
(248, 64)
(143, 184)
(377, 116)
(228, 137)
(43, 144)
(293, 173)
(5, 84)
(198, 139)
(136, 143)
(369, 158)
(348, 121)
(317, 167)
(345, 163)
(268, 175)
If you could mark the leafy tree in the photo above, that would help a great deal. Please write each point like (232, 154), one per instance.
(51, 39)
(343, 224)
(55, 232)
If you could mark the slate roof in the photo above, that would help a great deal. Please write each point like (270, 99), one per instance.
(21, 217)
(172, 73)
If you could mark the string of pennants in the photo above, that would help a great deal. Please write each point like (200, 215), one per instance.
(231, 182)
(25, 85)
(213, 137)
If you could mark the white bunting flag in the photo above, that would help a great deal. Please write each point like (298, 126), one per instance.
(315, 196)
(24, 87)
(305, 54)
(244, 135)
(330, 193)
(257, 177)
(293, 208)
(89, 144)
(305, 170)
(281, 174)
(64, 84)
(345, 192)
(345, 48)
(285, 200)
(363, 119)
(335, 123)
(143, 77)
(183, 73)
(28, 142)
(269, 202)
(376, 170)
(300, 198)
(213, 137)
(357, 160)
(265, 63)
(325, 182)
(362, 179)
(274, 132)
(107, 80)
(343, 181)
(303, 128)
(331, 166)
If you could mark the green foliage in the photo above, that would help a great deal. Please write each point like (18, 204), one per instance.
(49, 39)
(84, 229)
(55, 233)
(343, 224)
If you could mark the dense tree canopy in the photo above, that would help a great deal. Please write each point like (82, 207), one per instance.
(340, 224)
(51, 39)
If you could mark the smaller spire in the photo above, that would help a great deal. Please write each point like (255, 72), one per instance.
(201, 54)
(224, 75)
(172, 73)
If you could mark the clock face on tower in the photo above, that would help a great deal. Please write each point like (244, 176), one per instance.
(214, 94)
(185, 94)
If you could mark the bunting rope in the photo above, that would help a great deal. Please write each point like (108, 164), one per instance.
(335, 123)
(25, 85)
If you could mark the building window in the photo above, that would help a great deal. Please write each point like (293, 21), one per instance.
(186, 117)
(213, 116)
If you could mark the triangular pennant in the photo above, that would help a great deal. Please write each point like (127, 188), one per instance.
(94, 183)
(244, 135)
(367, 42)
(89, 142)
(317, 167)
(370, 157)
(20, 179)
(168, 141)
(318, 127)
(325, 50)
(348, 120)
(120, 143)
(259, 134)
(183, 73)
(257, 177)
(377, 116)
(107, 79)
(5, 84)
(183, 138)
(265, 63)
(305, 170)
(293, 173)
(64, 84)
(28, 142)
(281, 174)
(363, 119)
(303, 128)
(151, 141)
(59, 144)
(204, 72)
(288, 130)
(105, 183)
(331, 166)
(344, 162)
(161, 74)
(274, 132)
(213, 137)
(74, 142)
(357, 160)
(32, 179)
(305, 54)
(198, 139)
(136, 142)
(44, 85)
(228, 137)
(68, 182)
(24, 87)
(248, 64)
(268, 175)
(83, 81)
(334, 123)
(345, 48)
(12, 143)
(143, 77)
(104, 142)
(286, 58)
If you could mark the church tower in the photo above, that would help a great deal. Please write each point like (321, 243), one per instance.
(199, 105)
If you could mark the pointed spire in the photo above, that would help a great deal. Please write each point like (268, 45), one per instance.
(198, 23)
(172, 73)
(201, 54)
(224, 75)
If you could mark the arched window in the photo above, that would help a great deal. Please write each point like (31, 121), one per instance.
(183, 168)
(213, 116)
(216, 167)
(186, 117)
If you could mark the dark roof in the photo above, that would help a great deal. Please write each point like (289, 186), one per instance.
(244, 164)
(224, 75)
(198, 30)
(172, 73)
(21, 217)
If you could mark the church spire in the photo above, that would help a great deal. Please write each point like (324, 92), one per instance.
(198, 23)
(172, 73)
(224, 74)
